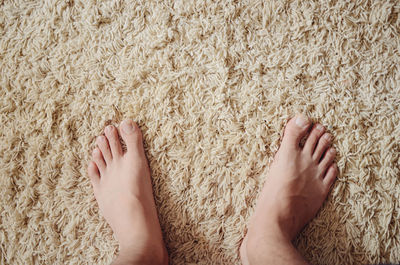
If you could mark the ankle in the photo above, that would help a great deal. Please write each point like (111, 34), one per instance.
(272, 248)
(267, 237)
(151, 254)
(273, 227)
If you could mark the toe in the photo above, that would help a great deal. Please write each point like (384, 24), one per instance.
(99, 160)
(132, 136)
(113, 141)
(102, 143)
(94, 173)
(323, 144)
(295, 130)
(312, 139)
(330, 176)
(327, 160)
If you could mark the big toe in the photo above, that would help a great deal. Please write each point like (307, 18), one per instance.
(132, 136)
(295, 130)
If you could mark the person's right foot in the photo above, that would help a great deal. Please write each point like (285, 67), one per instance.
(296, 185)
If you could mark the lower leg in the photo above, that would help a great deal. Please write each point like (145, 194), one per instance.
(296, 186)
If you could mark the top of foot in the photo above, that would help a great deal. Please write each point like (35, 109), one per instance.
(122, 187)
(297, 183)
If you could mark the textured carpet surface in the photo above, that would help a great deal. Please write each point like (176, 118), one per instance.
(212, 85)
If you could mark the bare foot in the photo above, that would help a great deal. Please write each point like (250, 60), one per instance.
(123, 190)
(296, 185)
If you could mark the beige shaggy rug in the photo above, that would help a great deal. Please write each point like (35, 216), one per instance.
(212, 86)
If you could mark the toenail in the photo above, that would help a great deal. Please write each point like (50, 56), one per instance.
(333, 151)
(109, 128)
(100, 138)
(127, 127)
(327, 136)
(320, 127)
(301, 121)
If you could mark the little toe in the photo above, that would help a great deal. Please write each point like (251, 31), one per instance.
(113, 141)
(102, 143)
(132, 136)
(327, 160)
(313, 138)
(295, 130)
(99, 160)
(330, 176)
(323, 143)
(94, 173)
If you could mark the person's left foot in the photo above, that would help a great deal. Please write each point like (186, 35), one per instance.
(123, 190)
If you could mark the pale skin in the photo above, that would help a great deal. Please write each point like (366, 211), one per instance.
(296, 185)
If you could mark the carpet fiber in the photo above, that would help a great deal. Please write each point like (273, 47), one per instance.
(212, 86)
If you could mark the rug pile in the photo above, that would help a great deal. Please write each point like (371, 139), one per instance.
(212, 85)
